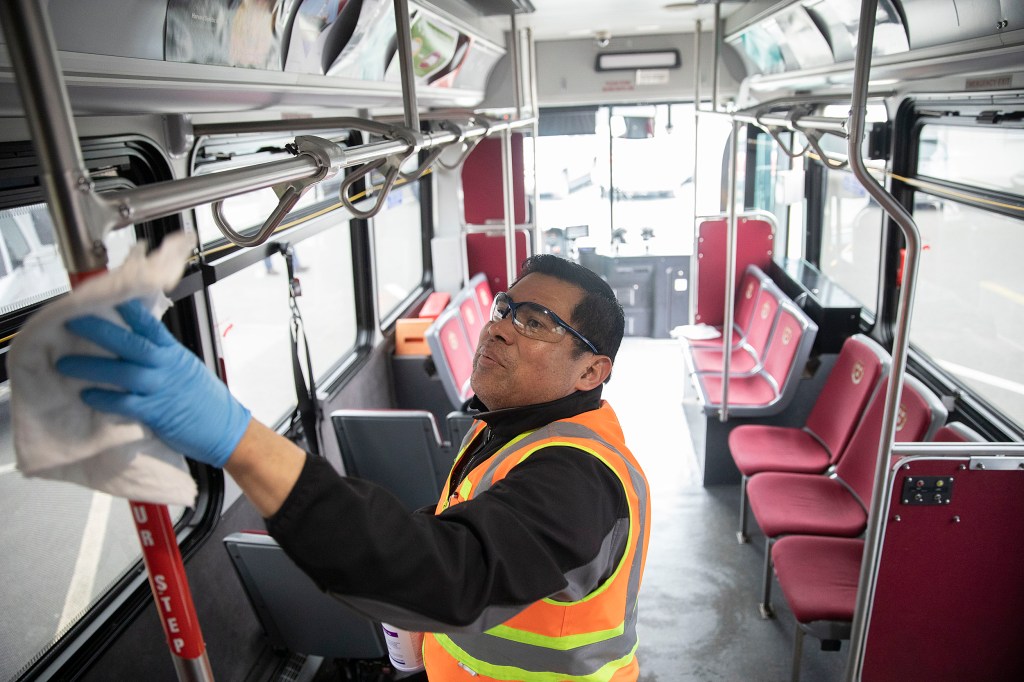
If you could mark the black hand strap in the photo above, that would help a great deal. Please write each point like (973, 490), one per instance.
(308, 406)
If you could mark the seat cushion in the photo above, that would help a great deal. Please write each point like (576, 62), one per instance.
(808, 504)
(818, 575)
(750, 390)
(711, 359)
(758, 447)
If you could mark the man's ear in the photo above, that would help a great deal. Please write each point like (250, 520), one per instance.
(594, 373)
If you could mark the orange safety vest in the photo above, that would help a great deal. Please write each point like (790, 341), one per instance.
(549, 641)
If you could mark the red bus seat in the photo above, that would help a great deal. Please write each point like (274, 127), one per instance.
(811, 449)
(760, 314)
(819, 575)
(452, 351)
(785, 503)
(769, 389)
(755, 242)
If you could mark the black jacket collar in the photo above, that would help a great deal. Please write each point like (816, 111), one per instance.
(512, 421)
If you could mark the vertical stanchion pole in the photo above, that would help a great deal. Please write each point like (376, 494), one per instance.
(696, 160)
(730, 271)
(71, 199)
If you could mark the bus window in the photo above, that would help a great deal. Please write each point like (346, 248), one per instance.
(969, 310)
(253, 320)
(627, 174)
(990, 158)
(851, 237)
(31, 268)
(65, 547)
(398, 248)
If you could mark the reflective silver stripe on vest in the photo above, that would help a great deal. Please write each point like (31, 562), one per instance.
(587, 658)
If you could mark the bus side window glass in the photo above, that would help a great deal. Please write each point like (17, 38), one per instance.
(398, 248)
(969, 308)
(17, 245)
(851, 237)
(253, 319)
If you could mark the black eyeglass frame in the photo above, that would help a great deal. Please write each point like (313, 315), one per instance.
(512, 305)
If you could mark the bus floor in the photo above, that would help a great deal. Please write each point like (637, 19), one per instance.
(699, 618)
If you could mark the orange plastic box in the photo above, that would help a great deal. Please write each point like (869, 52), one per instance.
(409, 336)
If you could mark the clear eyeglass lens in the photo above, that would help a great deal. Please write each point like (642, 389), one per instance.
(529, 319)
(537, 323)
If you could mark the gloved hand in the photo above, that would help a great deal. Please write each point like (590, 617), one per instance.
(163, 384)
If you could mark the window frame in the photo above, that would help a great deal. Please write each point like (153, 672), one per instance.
(137, 161)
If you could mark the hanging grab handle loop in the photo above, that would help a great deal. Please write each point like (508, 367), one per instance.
(471, 144)
(813, 137)
(392, 166)
(329, 157)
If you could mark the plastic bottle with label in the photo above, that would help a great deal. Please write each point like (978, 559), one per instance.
(405, 649)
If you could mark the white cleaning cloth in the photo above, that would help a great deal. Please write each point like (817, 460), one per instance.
(56, 435)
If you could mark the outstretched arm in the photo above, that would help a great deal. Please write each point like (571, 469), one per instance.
(266, 466)
(155, 380)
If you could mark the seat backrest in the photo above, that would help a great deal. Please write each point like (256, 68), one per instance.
(762, 320)
(919, 416)
(474, 304)
(295, 614)
(400, 450)
(789, 347)
(755, 240)
(484, 295)
(459, 424)
(485, 252)
(472, 318)
(861, 364)
(746, 298)
(452, 352)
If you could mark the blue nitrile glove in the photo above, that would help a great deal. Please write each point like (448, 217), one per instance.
(164, 385)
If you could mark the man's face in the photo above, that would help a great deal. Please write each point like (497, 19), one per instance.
(511, 370)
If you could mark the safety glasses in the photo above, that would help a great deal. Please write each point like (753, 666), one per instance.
(534, 321)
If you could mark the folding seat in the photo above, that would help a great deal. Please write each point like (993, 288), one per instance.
(815, 446)
(767, 390)
(785, 503)
(819, 575)
(293, 612)
(400, 450)
(755, 241)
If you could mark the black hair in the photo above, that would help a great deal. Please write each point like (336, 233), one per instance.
(598, 316)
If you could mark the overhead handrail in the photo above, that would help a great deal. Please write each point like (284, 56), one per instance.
(89, 216)
(392, 168)
(798, 120)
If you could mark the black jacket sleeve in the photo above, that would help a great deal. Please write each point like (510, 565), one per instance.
(474, 565)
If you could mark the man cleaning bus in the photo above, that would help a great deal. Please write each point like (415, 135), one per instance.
(530, 566)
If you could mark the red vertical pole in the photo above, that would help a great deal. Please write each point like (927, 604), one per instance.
(167, 579)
